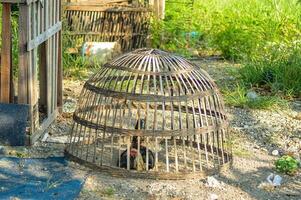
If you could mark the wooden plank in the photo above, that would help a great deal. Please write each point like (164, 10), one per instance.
(44, 36)
(29, 72)
(35, 94)
(41, 130)
(48, 59)
(13, 1)
(60, 68)
(6, 54)
(27, 2)
(55, 20)
(161, 9)
(23, 55)
(43, 76)
(43, 66)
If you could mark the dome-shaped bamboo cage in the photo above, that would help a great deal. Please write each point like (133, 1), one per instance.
(151, 114)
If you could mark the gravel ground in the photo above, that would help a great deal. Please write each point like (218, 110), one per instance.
(255, 133)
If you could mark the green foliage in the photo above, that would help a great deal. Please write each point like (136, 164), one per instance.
(263, 35)
(15, 42)
(287, 164)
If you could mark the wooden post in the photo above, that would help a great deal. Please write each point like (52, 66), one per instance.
(159, 8)
(23, 55)
(6, 65)
(60, 68)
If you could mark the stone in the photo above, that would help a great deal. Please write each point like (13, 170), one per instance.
(59, 139)
(45, 136)
(193, 52)
(266, 186)
(252, 95)
(275, 152)
(213, 182)
(69, 105)
(2, 150)
(213, 196)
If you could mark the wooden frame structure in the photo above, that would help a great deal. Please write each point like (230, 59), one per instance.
(155, 103)
(39, 79)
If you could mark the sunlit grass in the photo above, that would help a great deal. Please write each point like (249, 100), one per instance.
(237, 97)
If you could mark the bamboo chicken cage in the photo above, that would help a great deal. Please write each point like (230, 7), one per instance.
(151, 114)
(106, 21)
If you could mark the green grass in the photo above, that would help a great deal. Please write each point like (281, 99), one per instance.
(109, 192)
(238, 28)
(237, 97)
(281, 74)
(262, 35)
(75, 65)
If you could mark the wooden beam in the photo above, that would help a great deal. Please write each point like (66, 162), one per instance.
(44, 36)
(31, 139)
(60, 68)
(27, 2)
(13, 1)
(23, 55)
(6, 53)
(159, 8)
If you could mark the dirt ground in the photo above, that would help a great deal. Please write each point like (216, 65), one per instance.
(255, 134)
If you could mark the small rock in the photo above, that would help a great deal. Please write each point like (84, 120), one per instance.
(275, 180)
(69, 105)
(266, 186)
(193, 51)
(2, 150)
(275, 152)
(213, 182)
(58, 139)
(45, 136)
(252, 95)
(213, 196)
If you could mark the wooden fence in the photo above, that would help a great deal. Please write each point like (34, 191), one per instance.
(39, 80)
